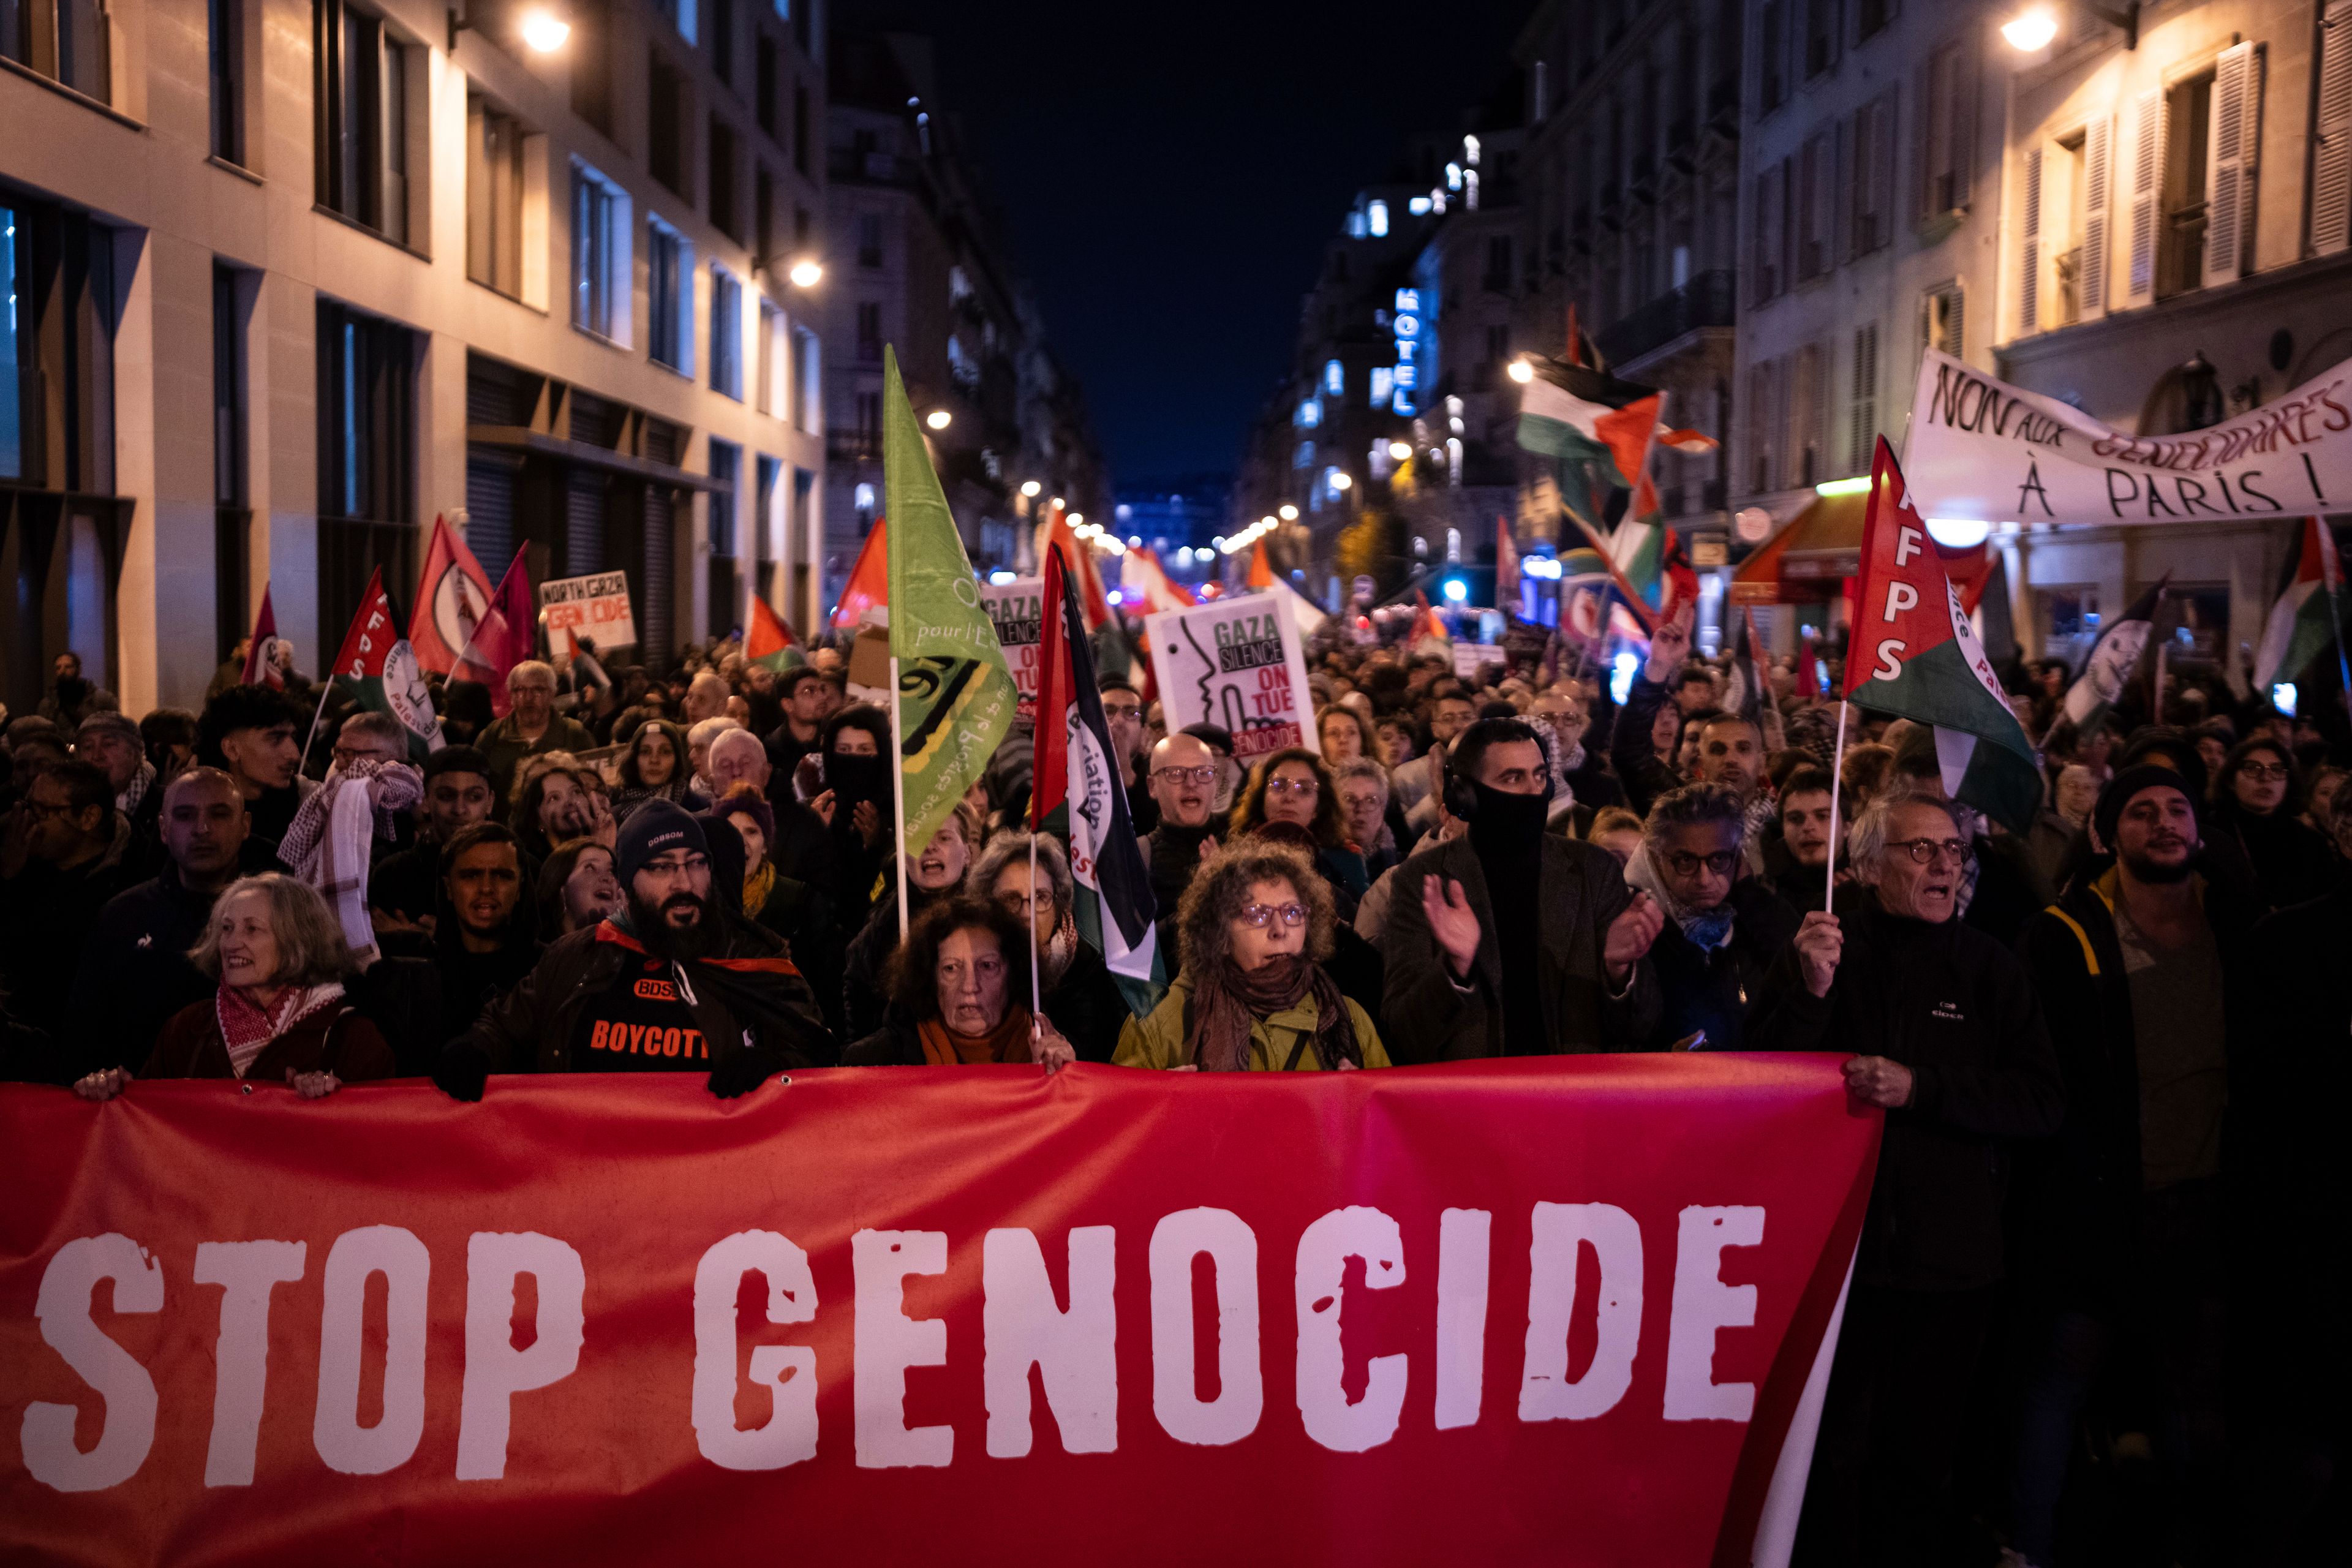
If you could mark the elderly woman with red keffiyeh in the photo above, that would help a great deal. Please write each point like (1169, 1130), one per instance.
(280, 1013)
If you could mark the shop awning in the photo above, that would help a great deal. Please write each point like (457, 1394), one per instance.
(1805, 562)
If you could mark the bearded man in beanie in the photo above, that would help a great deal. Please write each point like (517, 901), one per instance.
(676, 983)
(2125, 1240)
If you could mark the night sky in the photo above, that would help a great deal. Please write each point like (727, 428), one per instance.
(1170, 177)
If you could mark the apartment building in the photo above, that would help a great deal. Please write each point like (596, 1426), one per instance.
(292, 277)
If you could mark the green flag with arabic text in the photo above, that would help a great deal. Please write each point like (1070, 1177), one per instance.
(956, 698)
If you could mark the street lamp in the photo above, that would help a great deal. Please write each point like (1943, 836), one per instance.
(1343, 479)
(1522, 371)
(939, 419)
(1032, 490)
(544, 31)
(1400, 450)
(1290, 513)
(2033, 29)
(806, 273)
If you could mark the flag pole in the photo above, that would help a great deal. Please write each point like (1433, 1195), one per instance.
(325, 687)
(1837, 768)
(1037, 954)
(2331, 585)
(897, 799)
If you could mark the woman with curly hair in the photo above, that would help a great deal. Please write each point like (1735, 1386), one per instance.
(1256, 925)
(960, 994)
(653, 767)
(1294, 787)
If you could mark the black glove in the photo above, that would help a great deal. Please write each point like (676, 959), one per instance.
(739, 1074)
(462, 1071)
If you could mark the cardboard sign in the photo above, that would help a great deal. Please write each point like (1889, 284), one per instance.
(1470, 658)
(595, 606)
(1016, 608)
(1238, 663)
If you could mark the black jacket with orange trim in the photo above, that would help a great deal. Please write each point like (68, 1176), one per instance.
(747, 997)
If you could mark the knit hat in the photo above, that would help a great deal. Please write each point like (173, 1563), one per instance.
(2127, 783)
(108, 719)
(654, 828)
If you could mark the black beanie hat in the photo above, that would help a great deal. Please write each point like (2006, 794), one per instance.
(2127, 783)
(654, 828)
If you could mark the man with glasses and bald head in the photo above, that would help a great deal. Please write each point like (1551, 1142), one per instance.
(1182, 774)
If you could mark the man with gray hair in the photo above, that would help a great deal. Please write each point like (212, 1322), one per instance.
(1941, 1030)
(1723, 929)
(111, 741)
(1363, 786)
(533, 728)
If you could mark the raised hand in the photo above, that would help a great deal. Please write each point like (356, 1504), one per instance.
(1670, 645)
(1452, 923)
(1819, 943)
(1630, 936)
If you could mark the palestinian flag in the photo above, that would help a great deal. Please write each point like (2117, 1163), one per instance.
(1072, 772)
(1648, 554)
(260, 654)
(1582, 566)
(378, 668)
(1745, 696)
(2309, 612)
(1308, 615)
(1576, 415)
(2113, 662)
(769, 642)
(1914, 656)
(870, 579)
(1143, 581)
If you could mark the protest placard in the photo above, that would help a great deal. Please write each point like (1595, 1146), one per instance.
(595, 606)
(1014, 608)
(1238, 663)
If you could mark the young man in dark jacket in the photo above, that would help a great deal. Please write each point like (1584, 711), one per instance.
(676, 984)
(1510, 941)
(2126, 1233)
(1943, 1031)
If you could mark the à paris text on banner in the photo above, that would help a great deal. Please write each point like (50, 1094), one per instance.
(1986, 451)
(1572, 1311)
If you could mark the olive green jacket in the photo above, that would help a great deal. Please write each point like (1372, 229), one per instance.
(1157, 1041)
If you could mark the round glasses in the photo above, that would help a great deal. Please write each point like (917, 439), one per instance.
(1922, 850)
(1722, 863)
(1259, 916)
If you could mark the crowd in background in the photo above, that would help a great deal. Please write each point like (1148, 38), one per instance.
(2094, 1313)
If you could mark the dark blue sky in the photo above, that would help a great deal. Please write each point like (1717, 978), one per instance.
(1169, 175)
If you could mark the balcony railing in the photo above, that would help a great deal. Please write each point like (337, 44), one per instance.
(1706, 301)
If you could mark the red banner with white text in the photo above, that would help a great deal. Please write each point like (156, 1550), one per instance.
(1574, 1310)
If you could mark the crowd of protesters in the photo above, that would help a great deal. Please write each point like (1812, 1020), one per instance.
(2089, 1320)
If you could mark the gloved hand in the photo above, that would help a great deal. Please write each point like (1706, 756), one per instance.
(462, 1071)
(739, 1074)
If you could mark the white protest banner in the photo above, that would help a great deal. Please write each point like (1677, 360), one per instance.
(1984, 450)
(1015, 607)
(595, 607)
(1238, 663)
(1470, 658)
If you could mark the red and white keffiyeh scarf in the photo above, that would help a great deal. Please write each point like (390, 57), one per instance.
(247, 1028)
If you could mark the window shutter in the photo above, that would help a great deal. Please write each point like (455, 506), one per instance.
(2029, 280)
(1956, 330)
(1787, 228)
(1885, 127)
(2229, 184)
(2331, 163)
(2097, 154)
(2146, 157)
(1966, 84)
(1862, 425)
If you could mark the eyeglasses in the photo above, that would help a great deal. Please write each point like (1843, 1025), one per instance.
(1305, 788)
(1721, 863)
(2263, 770)
(40, 811)
(1924, 850)
(1259, 916)
(674, 865)
(1205, 774)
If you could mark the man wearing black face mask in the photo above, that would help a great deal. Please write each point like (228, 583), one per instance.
(676, 984)
(1509, 941)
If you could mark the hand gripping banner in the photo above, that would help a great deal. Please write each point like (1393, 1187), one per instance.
(1573, 1310)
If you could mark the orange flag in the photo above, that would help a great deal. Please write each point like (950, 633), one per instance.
(769, 640)
(869, 580)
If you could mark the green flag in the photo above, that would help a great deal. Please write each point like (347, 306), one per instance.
(956, 698)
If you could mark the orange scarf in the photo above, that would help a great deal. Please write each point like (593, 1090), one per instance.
(1008, 1042)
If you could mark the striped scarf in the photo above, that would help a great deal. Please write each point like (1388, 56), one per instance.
(246, 1029)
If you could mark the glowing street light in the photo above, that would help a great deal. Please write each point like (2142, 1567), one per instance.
(805, 273)
(1522, 371)
(1032, 490)
(939, 419)
(1078, 523)
(1400, 450)
(2030, 29)
(1289, 512)
(544, 31)
(1343, 479)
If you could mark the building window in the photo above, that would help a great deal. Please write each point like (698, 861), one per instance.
(726, 475)
(232, 518)
(869, 239)
(1815, 162)
(362, 109)
(225, 20)
(681, 16)
(1498, 264)
(770, 393)
(869, 417)
(1945, 123)
(1376, 219)
(670, 304)
(1862, 413)
(719, 37)
(726, 333)
(1764, 267)
(808, 383)
(800, 128)
(869, 331)
(1771, 52)
(69, 41)
(1309, 414)
(367, 460)
(1805, 405)
(1760, 405)
(590, 52)
(1821, 37)
(763, 86)
(666, 126)
(1943, 321)
(600, 255)
(1872, 199)
(494, 180)
(2186, 121)
(726, 203)
(1872, 16)
(56, 353)
(1335, 378)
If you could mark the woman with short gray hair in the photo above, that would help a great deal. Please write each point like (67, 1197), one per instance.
(280, 1013)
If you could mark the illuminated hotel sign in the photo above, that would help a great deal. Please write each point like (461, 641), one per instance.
(1406, 326)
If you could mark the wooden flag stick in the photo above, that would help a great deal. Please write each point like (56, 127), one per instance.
(1837, 830)
(897, 799)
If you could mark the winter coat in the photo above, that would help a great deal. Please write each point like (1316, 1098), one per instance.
(334, 1039)
(46, 917)
(1581, 890)
(1713, 990)
(1958, 1010)
(1643, 776)
(135, 972)
(1279, 1041)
